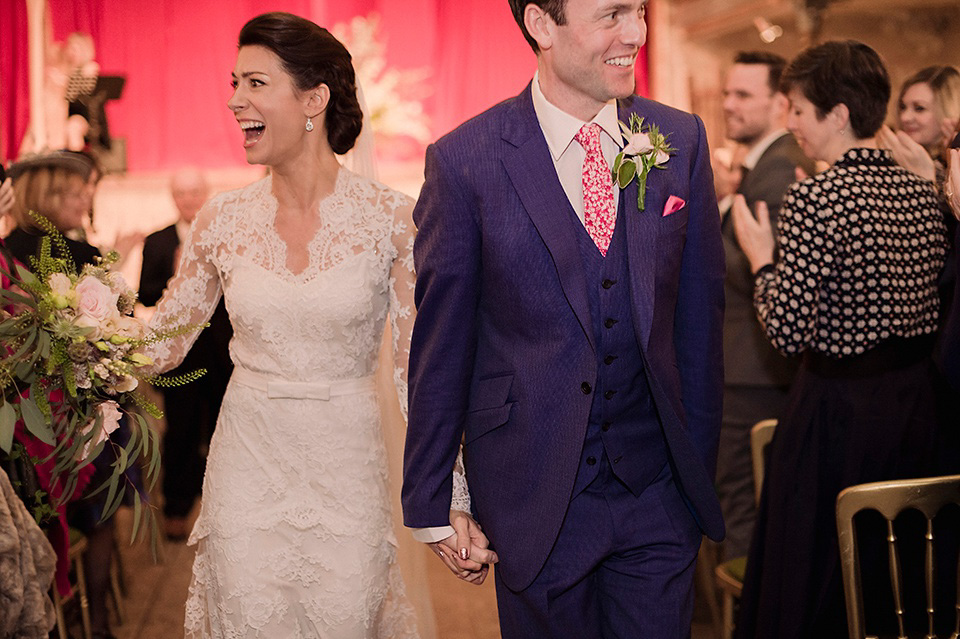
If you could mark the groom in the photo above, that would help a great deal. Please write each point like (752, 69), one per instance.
(571, 340)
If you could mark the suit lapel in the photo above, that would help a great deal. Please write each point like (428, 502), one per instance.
(529, 165)
(642, 233)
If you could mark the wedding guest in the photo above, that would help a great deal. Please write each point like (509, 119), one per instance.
(191, 410)
(56, 185)
(854, 294)
(756, 376)
(928, 112)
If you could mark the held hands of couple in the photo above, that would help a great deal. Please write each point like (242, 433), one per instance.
(466, 552)
(754, 234)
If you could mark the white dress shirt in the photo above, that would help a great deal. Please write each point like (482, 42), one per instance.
(559, 128)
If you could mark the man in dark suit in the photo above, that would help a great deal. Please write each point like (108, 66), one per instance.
(757, 377)
(571, 339)
(191, 410)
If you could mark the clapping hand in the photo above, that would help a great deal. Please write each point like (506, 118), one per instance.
(6, 197)
(907, 153)
(755, 235)
(466, 552)
(951, 187)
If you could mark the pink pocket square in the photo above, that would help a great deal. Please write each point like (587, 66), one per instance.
(673, 205)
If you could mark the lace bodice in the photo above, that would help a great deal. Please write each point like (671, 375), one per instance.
(321, 324)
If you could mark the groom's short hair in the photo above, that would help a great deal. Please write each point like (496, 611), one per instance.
(554, 8)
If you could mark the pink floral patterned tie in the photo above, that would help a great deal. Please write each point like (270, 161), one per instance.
(599, 209)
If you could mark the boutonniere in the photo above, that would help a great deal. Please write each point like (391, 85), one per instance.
(643, 150)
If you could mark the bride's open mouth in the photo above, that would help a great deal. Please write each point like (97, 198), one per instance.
(252, 131)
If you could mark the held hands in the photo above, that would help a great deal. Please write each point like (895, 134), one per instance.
(466, 551)
(907, 153)
(755, 235)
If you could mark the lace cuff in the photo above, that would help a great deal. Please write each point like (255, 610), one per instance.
(461, 491)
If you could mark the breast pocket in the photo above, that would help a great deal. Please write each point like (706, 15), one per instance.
(489, 408)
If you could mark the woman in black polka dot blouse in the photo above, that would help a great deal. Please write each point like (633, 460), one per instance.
(854, 294)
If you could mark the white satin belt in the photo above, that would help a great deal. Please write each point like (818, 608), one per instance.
(285, 389)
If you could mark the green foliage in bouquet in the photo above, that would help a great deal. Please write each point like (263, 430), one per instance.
(71, 358)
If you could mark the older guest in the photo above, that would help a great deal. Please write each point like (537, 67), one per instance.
(855, 294)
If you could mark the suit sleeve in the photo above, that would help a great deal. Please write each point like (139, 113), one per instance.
(152, 274)
(699, 314)
(443, 346)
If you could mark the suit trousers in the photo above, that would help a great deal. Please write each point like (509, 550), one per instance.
(743, 407)
(622, 567)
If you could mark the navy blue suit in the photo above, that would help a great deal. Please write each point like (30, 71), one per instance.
(508, 352)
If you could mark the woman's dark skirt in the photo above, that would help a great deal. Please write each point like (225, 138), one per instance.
(849, 421)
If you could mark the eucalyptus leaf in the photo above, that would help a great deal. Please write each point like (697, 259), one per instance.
(34, 421)
(8, 423)
(137, 508)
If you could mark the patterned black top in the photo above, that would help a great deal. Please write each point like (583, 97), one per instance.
(861, 246)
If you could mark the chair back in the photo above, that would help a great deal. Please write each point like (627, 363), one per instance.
(760, 437)
(890, 498)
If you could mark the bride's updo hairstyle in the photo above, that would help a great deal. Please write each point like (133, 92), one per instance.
(312, 56)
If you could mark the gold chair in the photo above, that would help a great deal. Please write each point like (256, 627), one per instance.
(78, 588)
(729, 575)
(890, 498)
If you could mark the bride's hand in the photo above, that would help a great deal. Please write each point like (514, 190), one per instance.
(466, 553)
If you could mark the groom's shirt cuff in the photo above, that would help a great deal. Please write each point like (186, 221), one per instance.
(432, 535)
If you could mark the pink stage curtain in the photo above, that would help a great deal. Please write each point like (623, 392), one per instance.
(177, 57)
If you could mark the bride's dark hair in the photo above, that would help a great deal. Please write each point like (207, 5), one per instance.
(312, 56)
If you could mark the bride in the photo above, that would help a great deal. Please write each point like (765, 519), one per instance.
(295, 535)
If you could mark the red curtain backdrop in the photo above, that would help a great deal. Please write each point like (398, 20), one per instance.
(177, 56)
(14, 83)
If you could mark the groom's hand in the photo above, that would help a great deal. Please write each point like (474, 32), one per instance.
(466, 552)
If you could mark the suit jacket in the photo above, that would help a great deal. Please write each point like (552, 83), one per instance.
(211, 350)
(503, 351)
(748, 357)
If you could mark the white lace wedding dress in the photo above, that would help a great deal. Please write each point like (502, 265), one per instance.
(295, 536)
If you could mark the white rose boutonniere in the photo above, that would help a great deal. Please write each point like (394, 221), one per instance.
(642, 151)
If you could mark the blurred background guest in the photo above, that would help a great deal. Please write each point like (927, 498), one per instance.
(191, 410)
(855, 294)
(756, 376)
(928, 112)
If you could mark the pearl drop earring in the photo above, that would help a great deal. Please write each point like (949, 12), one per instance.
(309, 126)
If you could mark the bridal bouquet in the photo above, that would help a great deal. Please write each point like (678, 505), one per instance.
(71, 357)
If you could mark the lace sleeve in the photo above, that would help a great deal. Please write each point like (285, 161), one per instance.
(191, 296)
(402, 285)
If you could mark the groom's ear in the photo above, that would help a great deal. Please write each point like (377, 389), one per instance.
(315, 100)
(539, 25)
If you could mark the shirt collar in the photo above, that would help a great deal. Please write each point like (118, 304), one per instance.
(758, 149)
(559, 127)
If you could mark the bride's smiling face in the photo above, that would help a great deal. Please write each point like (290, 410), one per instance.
(268, 107)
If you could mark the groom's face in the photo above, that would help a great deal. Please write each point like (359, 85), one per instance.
(592, 56)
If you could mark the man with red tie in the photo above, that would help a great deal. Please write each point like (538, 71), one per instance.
(569, 334)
